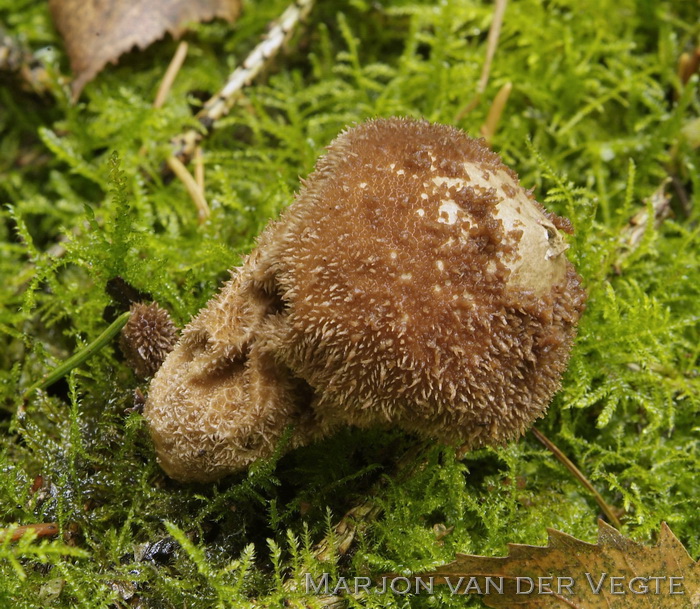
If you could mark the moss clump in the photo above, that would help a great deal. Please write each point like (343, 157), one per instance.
(596, 122)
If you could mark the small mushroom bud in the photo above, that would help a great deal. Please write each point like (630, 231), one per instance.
(413, 282)
(147, 338)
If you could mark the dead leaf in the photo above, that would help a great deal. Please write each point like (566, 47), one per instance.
(615, 573)
(98, 31)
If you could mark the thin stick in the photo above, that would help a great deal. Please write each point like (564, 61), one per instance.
(75, 360)
(199, 167)
(499, 11)
(488, 129)
(192, 187)
(259, 58)
(170, 74)
(566, 462)
(45, 529)
(492, 43)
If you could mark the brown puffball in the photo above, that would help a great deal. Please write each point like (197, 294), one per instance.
(413, 283)
(147, 338)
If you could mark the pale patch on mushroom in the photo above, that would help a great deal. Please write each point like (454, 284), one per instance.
(435, 297)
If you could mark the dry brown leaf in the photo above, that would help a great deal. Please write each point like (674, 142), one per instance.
(98, 31)
(572, 574)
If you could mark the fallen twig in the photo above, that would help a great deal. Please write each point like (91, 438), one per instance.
(578, 474)
(199, 167)
(488, 129)
(192, 187)
(170, 74)
(45, 529)
(499, 11)
(260, 57)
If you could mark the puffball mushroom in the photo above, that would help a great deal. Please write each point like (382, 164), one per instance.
(413, 283)
(147, 338)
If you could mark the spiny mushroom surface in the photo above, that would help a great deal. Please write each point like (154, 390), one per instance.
(413, 282)
(147, 338)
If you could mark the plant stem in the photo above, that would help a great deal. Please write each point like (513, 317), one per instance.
(78, 358)
(566, 462)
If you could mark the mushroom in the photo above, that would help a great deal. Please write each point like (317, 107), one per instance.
(412, 283)
(147, 338)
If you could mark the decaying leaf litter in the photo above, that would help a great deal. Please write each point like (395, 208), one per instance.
(614, 573)
(97, 33)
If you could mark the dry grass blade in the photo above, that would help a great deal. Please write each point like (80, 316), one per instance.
(494, 34)
(499, 11)
(199, 168)
(192, 187)
(170, 74)
(578, 474)
(488, 130)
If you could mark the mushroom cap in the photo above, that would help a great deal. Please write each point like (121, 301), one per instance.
(413, 282)
(421, 285)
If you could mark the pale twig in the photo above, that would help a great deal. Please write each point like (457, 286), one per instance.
(168, 80)
(260, 57)
(499, 11)
(192, 187)
(170, 74)
(578, 474)
(492, 42)
(488, 129)
(199, 167)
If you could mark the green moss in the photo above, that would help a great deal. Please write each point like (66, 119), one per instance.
(596, 121)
